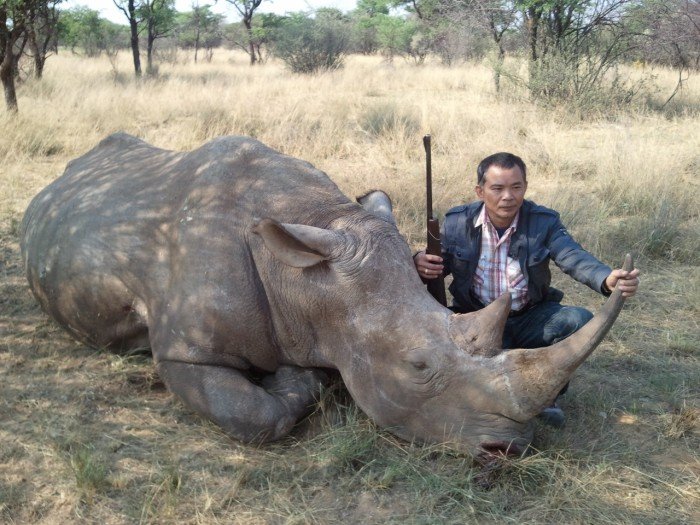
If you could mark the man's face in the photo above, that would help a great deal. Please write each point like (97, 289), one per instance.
(503, 192)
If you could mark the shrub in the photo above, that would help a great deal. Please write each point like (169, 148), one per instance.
(586, 86)
(385, 119)
(308, 45)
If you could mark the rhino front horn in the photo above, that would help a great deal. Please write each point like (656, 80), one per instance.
(535, 376)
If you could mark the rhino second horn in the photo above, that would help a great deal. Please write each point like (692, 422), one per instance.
(481, 332)
(535, 376)
(378, 203)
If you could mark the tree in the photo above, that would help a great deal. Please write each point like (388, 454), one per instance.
(129, 8)
(395, 35)
(12, 28)
(81, 27)
(366, 18)
(159, 16)
(42, 26)
(247, 8)
(482, 20)
(200, 28)
(446, 27)
(264, 26)
(668, 33)
(17, 21)
(573, 45)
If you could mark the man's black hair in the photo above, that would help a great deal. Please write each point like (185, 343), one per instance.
(502, 160)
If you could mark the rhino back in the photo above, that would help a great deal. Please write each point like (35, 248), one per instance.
(133, 236)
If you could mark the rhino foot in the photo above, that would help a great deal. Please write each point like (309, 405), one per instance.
(246, 411)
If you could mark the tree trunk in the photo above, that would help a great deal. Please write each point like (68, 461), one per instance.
(499, 67)
(33, 45)
(134, 38)
(196, 45)
(149, 52)
(7, 76)
(533, 19)
(45, 47)
(251, 46)
(135, 50)
(37, 55)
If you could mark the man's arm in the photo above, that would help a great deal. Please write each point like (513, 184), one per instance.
(575, 261)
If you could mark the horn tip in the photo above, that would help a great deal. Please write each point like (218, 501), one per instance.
(628, 265)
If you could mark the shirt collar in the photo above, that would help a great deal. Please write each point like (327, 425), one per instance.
(483, 218)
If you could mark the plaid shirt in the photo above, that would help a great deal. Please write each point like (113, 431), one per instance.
(497, 273)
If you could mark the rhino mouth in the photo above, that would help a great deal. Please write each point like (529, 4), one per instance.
(490, 449)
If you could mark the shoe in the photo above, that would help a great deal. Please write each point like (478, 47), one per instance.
(552, 416)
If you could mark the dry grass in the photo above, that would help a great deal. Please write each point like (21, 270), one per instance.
(91, 437)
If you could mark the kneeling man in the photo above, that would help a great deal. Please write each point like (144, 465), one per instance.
(503, 242)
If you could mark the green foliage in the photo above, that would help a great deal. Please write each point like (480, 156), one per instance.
(162, 12)
(199, 27)
(394, 34)
(264, 25)
(365, 20)
(159, 17)
(90, 471)
(372, 8)
(308, 45)
(262, 32)
(574, 47)
(82, 28)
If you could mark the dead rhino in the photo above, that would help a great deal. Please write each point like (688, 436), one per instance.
(247, 272)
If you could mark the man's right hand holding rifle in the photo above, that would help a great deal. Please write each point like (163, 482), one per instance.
(504, 243)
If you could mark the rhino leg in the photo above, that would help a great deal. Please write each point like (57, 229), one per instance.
(248, 412)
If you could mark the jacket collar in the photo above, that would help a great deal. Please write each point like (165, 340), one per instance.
(518, 241)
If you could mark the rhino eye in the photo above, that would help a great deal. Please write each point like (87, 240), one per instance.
(419, 365)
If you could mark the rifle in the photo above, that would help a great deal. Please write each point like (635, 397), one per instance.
(436, 286)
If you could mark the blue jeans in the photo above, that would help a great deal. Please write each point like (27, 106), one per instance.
(544, 324)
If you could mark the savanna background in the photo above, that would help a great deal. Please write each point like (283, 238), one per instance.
(91, 437)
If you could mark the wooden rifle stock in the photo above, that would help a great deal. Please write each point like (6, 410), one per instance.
(436, 286)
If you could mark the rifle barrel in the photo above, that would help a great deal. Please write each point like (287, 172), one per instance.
(428, 177)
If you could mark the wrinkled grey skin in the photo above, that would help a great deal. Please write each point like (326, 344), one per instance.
(235, 262)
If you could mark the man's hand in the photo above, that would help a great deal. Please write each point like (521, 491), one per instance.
(428, 266)
(626, 282)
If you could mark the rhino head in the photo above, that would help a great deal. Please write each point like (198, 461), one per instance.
(413, 366)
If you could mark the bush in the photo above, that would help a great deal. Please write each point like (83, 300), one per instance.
(308, 45)
(385, 119)
(586, 86)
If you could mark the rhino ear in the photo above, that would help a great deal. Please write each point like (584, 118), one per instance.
(378, 203)
(297, 245)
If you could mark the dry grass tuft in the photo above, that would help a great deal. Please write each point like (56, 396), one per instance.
(681, 422)
(93, 437)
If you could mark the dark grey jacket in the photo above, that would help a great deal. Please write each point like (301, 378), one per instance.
(540, 236)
